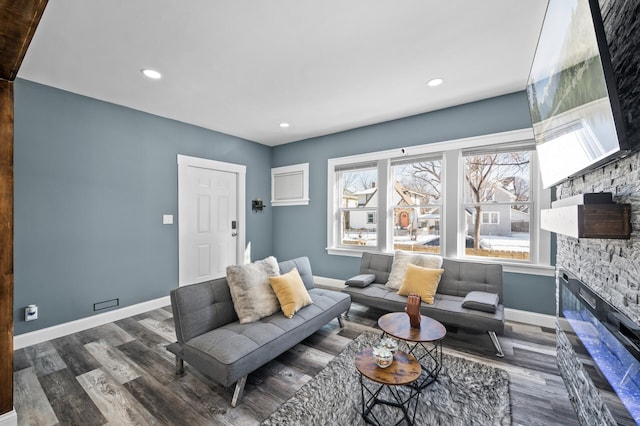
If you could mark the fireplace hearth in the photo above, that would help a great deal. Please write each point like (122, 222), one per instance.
(613, 342)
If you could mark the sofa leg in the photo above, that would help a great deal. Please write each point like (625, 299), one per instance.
(496, 344)
(237, 393)
(346, 314)
(179, 366)
(340, 321)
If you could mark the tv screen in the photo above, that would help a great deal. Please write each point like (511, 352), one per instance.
(573, 102)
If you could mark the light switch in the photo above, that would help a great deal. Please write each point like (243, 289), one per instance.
(167, 219)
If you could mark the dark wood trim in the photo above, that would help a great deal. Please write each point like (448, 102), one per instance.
(19, 19)
(6, 246)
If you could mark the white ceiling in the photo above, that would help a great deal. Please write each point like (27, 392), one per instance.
(241, 67)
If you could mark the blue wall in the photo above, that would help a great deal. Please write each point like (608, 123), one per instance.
(92, 181)
(302, 230)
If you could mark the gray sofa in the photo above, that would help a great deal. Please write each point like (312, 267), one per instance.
(211, 339)
(454, 305)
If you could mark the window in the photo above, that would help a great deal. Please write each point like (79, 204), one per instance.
(490, 218)
(290, 185)
(415, 198)
(497, 185)
(358, 204)
(476, 197)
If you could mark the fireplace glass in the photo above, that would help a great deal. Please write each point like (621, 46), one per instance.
(609, 338)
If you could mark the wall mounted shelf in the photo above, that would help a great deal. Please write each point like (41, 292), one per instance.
(588, 216)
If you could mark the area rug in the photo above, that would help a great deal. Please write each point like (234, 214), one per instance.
(466, 393)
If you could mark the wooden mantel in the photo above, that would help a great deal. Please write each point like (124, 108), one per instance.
(18, 22)
(588, 216)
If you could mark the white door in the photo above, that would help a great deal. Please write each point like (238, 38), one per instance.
(210, 197)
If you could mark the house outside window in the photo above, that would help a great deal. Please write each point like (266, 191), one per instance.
(470, 198)
(416, 184)
(358, 204)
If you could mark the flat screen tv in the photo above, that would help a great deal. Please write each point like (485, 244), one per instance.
(575, 111)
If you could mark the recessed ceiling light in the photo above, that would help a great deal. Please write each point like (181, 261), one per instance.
(284, 125)
(153, 74)
(435, 82)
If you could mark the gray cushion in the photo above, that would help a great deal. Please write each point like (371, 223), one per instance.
(378, 264)
(461, 277)
(361, 280)
(481, 301)
(304, 268)
(198, 308)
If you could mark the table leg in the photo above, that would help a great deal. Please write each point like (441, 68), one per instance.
(371, 398)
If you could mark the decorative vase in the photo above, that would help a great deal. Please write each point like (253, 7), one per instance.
(413, 310)
(383, 356)
(390, 344)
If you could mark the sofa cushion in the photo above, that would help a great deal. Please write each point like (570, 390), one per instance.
(378, 264)
(291, 292)
(421, 281)
(481, 301)
(253, 297)
(402, 259)
(362, 280)
(303, 266)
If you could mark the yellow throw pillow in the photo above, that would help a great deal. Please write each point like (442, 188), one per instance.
(291, 292)
(421, 281)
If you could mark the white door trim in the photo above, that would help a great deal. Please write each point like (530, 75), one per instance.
(185, 161)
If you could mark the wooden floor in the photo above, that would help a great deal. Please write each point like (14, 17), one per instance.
(121, 374)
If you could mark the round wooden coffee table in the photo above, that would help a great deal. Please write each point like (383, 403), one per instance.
(403, 371)
(425, 343)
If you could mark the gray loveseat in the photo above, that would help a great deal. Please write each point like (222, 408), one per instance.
(460, 300)
(211, 339)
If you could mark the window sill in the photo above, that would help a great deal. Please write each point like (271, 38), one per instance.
(335, 251)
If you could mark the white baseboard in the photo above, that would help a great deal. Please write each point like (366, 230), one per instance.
(42, 335)
(329, 282)
(9, 419)
(532, 318)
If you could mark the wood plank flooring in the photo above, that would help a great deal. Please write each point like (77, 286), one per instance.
(120, 373)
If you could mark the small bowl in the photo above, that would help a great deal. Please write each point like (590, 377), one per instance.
(389, 343)
(383, 356)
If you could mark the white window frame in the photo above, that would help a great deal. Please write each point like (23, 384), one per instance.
(490, 215)
(300, 174)
(452, 216)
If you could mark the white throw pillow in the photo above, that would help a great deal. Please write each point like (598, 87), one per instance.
(252, 295)
(400, 261)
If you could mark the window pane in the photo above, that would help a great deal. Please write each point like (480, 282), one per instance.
(506, 236)
(358, 204)
(417, 183)
(416, 229)
(358, 187)
(503, 177)
(416, 204)
(495, 225)
(356, 228)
